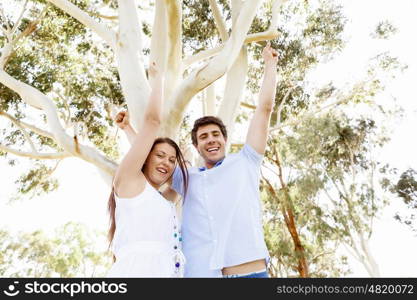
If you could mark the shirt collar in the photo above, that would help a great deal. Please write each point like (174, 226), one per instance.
(201, 169)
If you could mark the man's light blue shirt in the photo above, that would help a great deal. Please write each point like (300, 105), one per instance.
(222, 218)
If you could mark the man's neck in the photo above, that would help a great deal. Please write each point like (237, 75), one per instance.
(210, 165)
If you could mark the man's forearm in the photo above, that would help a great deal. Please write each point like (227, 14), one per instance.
(268, 88)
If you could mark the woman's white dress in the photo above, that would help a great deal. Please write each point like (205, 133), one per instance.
(147, 239)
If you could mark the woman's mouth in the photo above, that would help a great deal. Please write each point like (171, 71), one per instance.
(162, 170)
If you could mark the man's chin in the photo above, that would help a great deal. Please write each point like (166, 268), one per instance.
(213, 160)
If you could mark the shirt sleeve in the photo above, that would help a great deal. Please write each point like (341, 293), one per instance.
(250, 154)
(177, 181)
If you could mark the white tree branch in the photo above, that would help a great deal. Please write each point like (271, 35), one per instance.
(3, 16)
(27, 136)
(34, 154)
(236, 6)
(275, 12)
(20, 88)
(112, 18)
(270, 34)
(9, 47)
(218, 18)
(130, 61)
(174, 63)
(32, 26)
(373, 266)
(235, 85)
(5, 32)
(235, 82)
(295, 121)
(65, 101)
(16, 25)
(159, 45)
(210, 100)
(103, 31)
(216, 67)
(248, 105)
(267, 35)
(6, 52)
(281, 105)
(202, 55)
(38, 100)
(26, 125)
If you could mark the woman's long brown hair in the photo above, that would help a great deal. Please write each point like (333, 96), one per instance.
(181, 163)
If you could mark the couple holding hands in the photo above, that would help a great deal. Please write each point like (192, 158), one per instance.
(221, 233)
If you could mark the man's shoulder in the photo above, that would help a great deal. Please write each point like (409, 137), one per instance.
(248, 153)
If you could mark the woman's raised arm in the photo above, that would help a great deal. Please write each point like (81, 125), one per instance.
(128, 172)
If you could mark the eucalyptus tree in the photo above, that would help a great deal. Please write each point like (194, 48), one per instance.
(406, 189)
(65, 66)
(70, 252)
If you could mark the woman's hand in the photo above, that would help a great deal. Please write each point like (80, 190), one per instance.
(122, 119)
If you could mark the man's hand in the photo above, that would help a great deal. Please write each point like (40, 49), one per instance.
(269, 54)
(122, 119)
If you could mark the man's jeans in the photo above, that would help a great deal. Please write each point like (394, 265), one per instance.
(259, 274)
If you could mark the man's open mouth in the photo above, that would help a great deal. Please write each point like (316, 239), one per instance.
(213, 149)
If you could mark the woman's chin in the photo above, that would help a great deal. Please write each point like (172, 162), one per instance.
(159, 180)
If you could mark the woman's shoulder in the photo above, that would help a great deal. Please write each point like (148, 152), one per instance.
(130, 189)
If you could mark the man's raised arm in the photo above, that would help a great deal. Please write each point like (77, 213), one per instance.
(258, 128)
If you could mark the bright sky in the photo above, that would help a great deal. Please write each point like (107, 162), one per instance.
(82, 196)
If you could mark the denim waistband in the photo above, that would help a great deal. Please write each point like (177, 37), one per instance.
(244, 275)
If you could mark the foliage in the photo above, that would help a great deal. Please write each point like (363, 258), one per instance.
(71, 252)
(406, 190)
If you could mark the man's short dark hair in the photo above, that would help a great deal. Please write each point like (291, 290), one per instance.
(207, 120)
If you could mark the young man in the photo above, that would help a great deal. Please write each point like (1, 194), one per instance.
(222, 222)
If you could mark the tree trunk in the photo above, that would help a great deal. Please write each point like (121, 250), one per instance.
(291, 225)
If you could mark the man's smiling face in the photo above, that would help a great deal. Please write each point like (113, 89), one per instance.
(210, 144)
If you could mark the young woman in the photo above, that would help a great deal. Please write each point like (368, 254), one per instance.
(144, 233)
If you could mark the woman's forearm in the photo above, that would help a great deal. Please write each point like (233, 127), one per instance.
(130, 133)
(153, 111)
